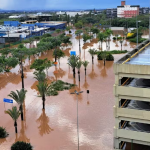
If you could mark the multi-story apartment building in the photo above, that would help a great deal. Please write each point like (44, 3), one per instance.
(127, 11)
(111, 12)
(144, 10)
(132, 99)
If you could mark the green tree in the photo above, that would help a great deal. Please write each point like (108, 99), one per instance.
(21, 146)
(40, 76)
(8, 63)
(41, 64)
(19, 97)
(14, 114)
(59, 54)
(92, 53)
(78, 66)
(43, 89)
(101, 37)
(58, 31)
(79, 25)
(72, 62)
(121, 44)
(85, 64)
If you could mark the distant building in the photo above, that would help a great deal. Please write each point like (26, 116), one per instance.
(127, 11)
(111, 12)
(144, 10)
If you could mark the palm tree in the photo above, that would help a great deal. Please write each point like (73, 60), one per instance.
(19, 97)
(78, 66)
(14, 114)
(121, 44)
(109, 32)
(85, 64)
(101, 37)
(40, 76)
(92, 52)
(72, 61)
(104, 56)
(43, 89)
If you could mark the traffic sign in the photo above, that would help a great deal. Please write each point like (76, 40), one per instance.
(7, 100)
(72, 52)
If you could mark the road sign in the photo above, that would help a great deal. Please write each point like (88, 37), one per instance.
(72, 52)
(7, 100)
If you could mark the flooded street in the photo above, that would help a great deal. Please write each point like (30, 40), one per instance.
(56, 127)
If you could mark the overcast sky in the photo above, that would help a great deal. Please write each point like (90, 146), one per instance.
(67, 4)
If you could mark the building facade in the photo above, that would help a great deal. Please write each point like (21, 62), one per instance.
(132, 99)
(127, 11)
(111, 12)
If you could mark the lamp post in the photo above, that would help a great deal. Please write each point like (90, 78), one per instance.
(77, 93)
(137, 31)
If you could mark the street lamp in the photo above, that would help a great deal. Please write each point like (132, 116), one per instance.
(77, 93)
(137, 31)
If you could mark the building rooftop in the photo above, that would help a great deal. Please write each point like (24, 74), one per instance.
(138, 56)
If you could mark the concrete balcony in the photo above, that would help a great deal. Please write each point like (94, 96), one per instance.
(132, 113)
(131, 91)
(133, 135)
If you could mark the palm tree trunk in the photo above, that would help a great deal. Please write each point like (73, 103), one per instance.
(79, 75)
(21, 112)
(15, 125)
(92, 59)
(85, 71)
(101, 46)
(43, 98)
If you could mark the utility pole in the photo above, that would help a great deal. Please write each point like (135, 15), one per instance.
(77, 93)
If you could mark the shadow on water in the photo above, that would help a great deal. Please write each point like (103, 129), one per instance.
(44, 127)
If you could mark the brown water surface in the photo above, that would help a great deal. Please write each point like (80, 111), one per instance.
(55, 128)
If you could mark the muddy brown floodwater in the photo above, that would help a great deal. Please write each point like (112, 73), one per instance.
(55, 128)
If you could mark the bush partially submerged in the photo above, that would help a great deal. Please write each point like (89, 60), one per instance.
(59, 86)
(3, 132)
(108, 56)
(21, 146)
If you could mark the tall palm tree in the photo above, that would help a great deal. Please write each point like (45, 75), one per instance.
(92, 53)
(40, 76)
(101, 37)
(85, 64)
(104, 56)
(78, 66)
(14, 114)
(43, 89)
(19, 97)
(121, 44)
(109, 32)
(72, 61)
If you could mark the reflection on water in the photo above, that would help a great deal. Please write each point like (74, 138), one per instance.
(3, 140)
(85, 85)
(92, 75)
(44, 127)
(103, 72)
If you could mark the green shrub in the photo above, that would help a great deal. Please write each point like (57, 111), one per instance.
(3, 132)
(21, 146)
(118, 51)
(134, 40)
(109, 57)
(99, 56)
(118, 38)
